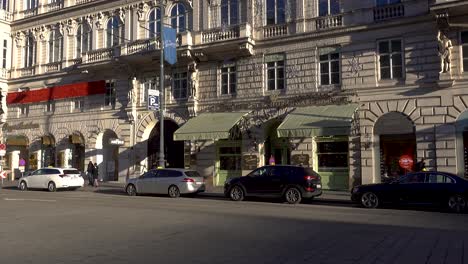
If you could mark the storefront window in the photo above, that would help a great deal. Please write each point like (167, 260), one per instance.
(230, 158)
(332, 155)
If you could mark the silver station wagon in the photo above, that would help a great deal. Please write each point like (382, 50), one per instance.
(172, 182)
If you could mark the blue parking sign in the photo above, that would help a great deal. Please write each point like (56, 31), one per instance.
(153, 100)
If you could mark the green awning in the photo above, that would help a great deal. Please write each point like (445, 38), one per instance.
(209, 126)
(328, 120)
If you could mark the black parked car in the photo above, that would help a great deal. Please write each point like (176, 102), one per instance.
(428, 187)
(291, 182)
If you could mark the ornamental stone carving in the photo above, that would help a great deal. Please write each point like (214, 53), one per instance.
(71, 26)
(120, 13)
(143, 9)
(99, 20)
(19, 39)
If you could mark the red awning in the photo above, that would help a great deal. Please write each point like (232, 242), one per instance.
(57, 92)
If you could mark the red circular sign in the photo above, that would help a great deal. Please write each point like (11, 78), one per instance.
(406, 162)
(2, 146)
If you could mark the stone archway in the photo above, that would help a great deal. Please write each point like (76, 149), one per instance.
(174, 150)
(394, 136)
(107, 156)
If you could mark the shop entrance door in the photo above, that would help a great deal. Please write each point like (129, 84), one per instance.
(228, 162)
(392, 147)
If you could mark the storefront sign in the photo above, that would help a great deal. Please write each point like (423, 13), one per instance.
(250, 162)
(406, 162)
(19, 126)
(116, 141)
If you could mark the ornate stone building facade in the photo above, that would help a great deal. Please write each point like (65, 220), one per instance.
(346, 87)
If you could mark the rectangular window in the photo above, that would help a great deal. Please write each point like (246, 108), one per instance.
(78, 105)
(49, 107)
(464, 44)
(330, 69)
(387, 2)
(275, 12)
(228, 79)
(275, 72)
(390, 59)
(150, 84)
(332, 155)
(4, 4)
(23, 110)
(328, 7)
(110, 97)
(180, 85)
(4, 54)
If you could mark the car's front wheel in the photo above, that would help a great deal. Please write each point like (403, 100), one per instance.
(370, 200)
(23, 186)
(236, 193)
(457, 203)
(173, 191)
(51, 187)
(292, 195)
(131, 190)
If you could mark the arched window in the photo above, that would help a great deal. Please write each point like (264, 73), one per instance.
(229, 12)
(114, 32)
(276, 12)
(84, 38)
(179, 17)
(154, 22)
(29, 52)
(55, 46)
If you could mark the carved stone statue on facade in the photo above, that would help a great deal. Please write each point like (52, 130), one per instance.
(193, 81)
(445, 51)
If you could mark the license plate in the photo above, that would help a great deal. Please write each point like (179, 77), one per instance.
(198, 183)
(319, 185)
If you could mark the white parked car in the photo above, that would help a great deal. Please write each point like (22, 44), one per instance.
(52, 179)
(172, 182)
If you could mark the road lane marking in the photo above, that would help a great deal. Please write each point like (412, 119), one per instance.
(30, 200)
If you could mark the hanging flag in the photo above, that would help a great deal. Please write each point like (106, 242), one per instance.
(170, 45)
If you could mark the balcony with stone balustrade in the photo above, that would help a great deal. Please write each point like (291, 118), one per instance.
(389, 12)
(140, 46)
(99, 55)
(328, 22)
(57, 5)
(52, 67)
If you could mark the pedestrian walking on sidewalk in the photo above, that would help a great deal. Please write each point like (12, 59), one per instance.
(95, 174)
(89, 173)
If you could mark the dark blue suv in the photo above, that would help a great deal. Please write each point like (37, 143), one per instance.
(290, 182)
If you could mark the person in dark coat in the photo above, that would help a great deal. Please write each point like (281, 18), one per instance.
(95, 175)
(89, 173)
(421, 165)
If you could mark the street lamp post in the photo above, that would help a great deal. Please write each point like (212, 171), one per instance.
(161, 162)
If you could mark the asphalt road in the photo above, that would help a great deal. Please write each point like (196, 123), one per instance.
(109, 227)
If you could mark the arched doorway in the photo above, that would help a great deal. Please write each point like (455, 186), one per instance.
(275, 147)
(17, 148)
(108, 168)
(174, 150)
(394, 137)
(48, 151)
